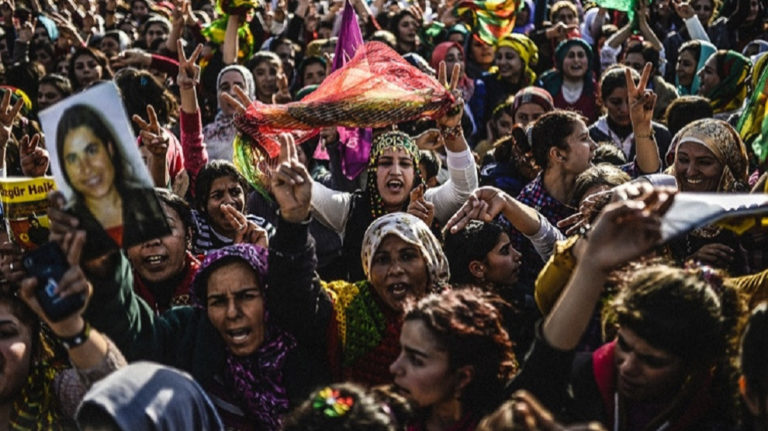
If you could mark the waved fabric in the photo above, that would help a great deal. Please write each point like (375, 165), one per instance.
(733, 70)
(705, 50)
(725, 144)
(148, 397)
(216, 30)
(752, 120)
(413, 231)
(627, 6)
(355, 143)
(491, 19)
(376, 88)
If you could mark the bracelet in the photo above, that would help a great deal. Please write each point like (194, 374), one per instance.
(77, 339)
(651, 135)
(451, 132)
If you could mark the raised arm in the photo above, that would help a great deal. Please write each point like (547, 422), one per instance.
(641, 104)
(191, 125)
(231, 43)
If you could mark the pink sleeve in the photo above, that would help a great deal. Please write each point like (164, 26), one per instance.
(175, 156)
(195, 154)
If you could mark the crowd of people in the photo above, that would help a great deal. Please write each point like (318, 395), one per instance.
(498, 265)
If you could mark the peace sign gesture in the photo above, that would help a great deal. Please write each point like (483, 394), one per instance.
(152, 135)
(641, 101)
(8, 116)
(189, 71)
(241, 103)
(453, 117)
(291, 183)
(34, 159)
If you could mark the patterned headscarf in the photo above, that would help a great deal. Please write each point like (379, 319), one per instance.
(725, 144)
(394, 140)
(751, 119)
(533, 95)
(526, 49)
(705, 50)
(733, 70)
(258, 378)
(413, 231)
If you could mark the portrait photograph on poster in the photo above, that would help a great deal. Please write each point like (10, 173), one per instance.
(97, 166)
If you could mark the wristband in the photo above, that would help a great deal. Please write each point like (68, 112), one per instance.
(77, 339)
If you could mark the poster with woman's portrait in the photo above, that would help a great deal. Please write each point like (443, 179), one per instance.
(97, 166)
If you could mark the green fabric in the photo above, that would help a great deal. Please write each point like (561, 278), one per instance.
(627, 6)
(491, 19)
(733, 70)
(365, 324)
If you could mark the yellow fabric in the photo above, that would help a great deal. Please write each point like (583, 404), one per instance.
(555, 274)
(525, 48)
(341, 293)
(754, 287)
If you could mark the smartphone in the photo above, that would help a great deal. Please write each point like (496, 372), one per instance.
(48, 264)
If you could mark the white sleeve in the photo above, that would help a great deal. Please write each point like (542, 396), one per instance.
(695, 29)
(544, 240)
(451, 195)
(608, 56)
(330, 207)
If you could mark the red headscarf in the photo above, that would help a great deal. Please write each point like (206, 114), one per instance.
(438, 54)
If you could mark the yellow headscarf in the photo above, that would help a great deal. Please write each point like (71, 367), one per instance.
(525, 48)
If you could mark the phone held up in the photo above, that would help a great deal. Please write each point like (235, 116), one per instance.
(48, 264)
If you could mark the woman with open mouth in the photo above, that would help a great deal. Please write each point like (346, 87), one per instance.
(515, 57)
(572, 83)
(393, 171)
(710, 157)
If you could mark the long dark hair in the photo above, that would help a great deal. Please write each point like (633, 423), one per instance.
(82, 115)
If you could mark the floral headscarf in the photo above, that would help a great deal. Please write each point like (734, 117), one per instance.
(258, 378)
(725, 144)
(733, 70)
(389, 141)
(705, 50)
(526, 49)
(413, 231)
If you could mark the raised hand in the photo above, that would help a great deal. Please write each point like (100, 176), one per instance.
(10, 261)
(152, 135)
(246, 231)
(189, 71)
(283, 94)
(452, 118)
(420, 207)
(131, 57)
(67, 29)
(641, 101)
(8, 115)
(73, 282)
(27, 30)
(588, 210)
(430, 139)
(714, 254)
(241, 103)
(484, 204)
(291, 183)
(180, 183)
(626, 230)
(34, 159)
(683, 8)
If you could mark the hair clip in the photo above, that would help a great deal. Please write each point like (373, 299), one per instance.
(331, 403)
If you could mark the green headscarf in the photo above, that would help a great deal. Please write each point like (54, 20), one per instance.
(733, 70)
(705, 50)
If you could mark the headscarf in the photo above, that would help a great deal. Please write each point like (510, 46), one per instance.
(725, 144)
(535, 95)
(256, 379)
(147, 396)
(526, 27)
(466, 85)
(412, 230)
(250, 87)
(762, 46)
(552, 81)
(705, 50)
(733, 70)
(220, 133)
(526, 49)
(50, 27)
(389, 140)
(751, 119)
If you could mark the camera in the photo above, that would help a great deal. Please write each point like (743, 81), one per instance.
(48, 264)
